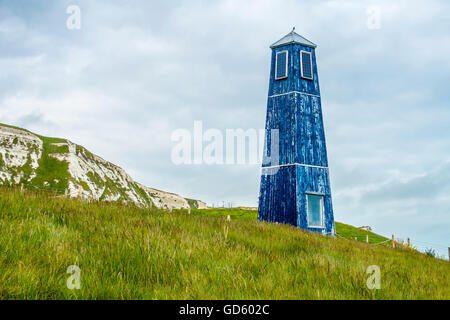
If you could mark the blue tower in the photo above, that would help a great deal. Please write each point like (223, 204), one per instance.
(295, 183)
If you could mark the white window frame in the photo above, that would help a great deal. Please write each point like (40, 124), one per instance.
(276, 64)
(322, 209)
(310, 62)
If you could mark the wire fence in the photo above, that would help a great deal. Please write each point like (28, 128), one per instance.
(355, 237)
(400, 243)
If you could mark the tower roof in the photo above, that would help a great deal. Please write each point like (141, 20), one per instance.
(293, 37)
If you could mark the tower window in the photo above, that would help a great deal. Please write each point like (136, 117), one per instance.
(314, 208)
(306, 65)
(281, 65)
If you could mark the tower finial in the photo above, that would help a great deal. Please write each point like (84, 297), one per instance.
(293, 29)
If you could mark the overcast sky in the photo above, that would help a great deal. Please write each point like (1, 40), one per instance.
(138, 70)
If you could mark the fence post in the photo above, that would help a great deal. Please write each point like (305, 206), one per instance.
(367, 238)
(409, 242)
(21, 187)
(226, 226)
(393, 242)
(189, 211)
(332, 232)
(80, 191)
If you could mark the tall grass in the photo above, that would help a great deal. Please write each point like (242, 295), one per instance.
(129, 253)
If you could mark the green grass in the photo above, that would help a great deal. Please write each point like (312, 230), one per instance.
(350, 232)
(129, 253)
(343, 230)
(52, 174)
(234, 213)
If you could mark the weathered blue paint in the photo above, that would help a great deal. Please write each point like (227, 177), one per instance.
(294, 109)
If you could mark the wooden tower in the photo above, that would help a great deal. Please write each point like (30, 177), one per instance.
(295, 183)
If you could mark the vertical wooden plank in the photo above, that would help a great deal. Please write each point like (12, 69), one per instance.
(393, 242)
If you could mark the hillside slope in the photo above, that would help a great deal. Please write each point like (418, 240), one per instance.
(64, 167)
(344, 231)
(125, 252)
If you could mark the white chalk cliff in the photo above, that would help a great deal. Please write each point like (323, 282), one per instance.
(65, 167)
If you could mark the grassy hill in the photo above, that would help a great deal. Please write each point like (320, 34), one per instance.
(125, 252)
(343, 230)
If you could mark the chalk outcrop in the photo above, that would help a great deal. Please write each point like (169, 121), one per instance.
(65, 167)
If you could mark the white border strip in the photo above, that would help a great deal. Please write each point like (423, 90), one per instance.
(276, 65)
(295, 164)
(283, 94)
(310, 63)
(322, 209)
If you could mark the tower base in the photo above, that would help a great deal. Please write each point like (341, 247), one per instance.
(284, 191)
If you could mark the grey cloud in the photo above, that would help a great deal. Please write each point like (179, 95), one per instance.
(429, 186)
